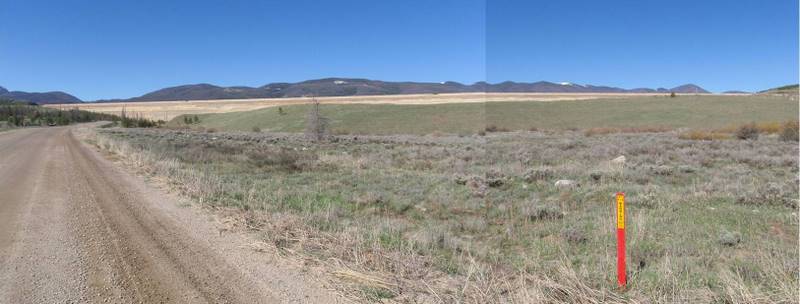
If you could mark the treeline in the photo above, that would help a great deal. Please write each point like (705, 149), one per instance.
(137, 121)
(23, 114)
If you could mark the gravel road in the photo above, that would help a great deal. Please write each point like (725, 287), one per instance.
(74, 228)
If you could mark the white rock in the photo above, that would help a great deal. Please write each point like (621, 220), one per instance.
(619, 160)
(566, 183)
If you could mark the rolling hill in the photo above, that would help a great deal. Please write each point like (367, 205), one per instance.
(792, 89)
(55, 97)
(361, 87)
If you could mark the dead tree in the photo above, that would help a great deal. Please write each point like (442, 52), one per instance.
(316, 124)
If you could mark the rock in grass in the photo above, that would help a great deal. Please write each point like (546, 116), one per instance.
(566, 183)
(730, 239)
(620, 160)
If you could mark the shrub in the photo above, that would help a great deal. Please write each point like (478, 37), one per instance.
(316, 124)
(256, 129)
(538, 174)
(730, 239)
(641, 129)
(789, 132)
(747, 132)
(494, 128)
(703, 135)
(574, 235)
(282, 159)
(542, 212)
(769, 127)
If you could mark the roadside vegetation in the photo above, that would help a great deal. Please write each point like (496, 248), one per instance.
(481, 209)
(16, 114)
(484, 218)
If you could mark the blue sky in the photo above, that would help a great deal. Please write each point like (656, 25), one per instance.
(119, 49)
(721, 45)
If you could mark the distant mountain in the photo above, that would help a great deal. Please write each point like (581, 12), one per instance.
(359, 87)
(39, 98)
(736, 92)
(689, 88)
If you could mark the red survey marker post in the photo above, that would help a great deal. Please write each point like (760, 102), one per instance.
(621, 276)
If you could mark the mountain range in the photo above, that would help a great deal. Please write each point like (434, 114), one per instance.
(40, 98)
(360, 87)
(344, 87)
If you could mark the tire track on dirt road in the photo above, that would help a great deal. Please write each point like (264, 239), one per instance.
(74, 229)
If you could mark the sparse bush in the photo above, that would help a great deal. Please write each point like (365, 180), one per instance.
(256, 129)
(789, 132)
(596, 176)
(644, 129)
(409, 207)
(536, 212)
(495, 178)
(703, 135)
(281, 158)
(538, 174)
(494, 128)
(771, 194)
(730, 239)
(663, 170)
(316, 124)
(574, 235)
(747, 132)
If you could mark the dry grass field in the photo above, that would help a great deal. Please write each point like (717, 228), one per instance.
(167, 110)
(601, 115)
(481, 219)
(505, 202)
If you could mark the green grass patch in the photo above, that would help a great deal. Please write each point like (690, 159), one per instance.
(469, 118)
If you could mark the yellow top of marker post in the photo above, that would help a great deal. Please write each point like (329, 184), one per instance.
(620, 210)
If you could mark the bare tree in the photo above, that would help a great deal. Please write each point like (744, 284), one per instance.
(316, 124)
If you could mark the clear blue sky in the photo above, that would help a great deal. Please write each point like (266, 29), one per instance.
(721, 45)
(116, 49)
(119, 49)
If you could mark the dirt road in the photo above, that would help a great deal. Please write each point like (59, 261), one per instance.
(75, 229)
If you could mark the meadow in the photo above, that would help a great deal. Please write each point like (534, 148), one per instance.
(167, 110)
(477, 219)
(703, 112)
